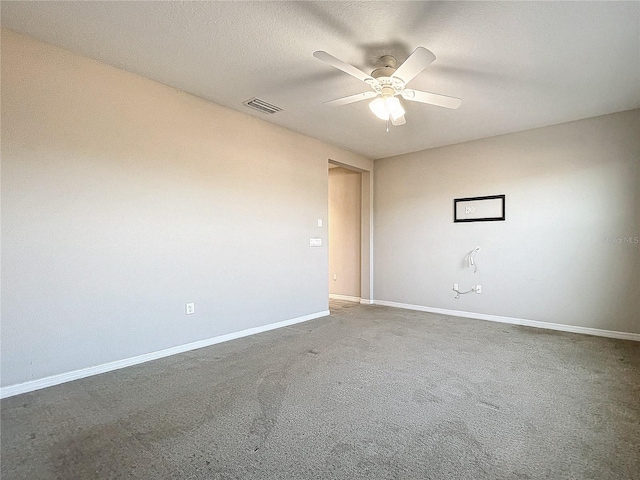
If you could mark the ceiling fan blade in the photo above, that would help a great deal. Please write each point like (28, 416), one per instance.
(431, 98)
(350, 99)
(400, 121)
(420, 59)
(340, 65)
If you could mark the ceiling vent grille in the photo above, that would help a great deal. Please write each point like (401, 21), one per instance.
(262, 106)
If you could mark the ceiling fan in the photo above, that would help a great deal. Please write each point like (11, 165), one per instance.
(389, 82)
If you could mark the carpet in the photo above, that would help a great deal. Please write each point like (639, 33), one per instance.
(370, 392)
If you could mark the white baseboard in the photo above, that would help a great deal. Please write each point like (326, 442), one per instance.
(516, 321)
(335, 296)
(366, 301)
(32, 385)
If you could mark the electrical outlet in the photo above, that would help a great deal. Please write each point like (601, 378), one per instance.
(478, 288)
(455, 287)
(315, 242)
(190, 308)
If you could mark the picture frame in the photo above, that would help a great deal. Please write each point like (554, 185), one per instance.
(490, 208)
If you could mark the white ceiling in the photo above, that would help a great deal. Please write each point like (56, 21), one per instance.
(515, 65)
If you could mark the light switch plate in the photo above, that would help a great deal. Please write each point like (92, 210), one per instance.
(319, 222)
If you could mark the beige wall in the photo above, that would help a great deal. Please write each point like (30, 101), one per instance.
(568, 189)
(345, 187)
(123, 199)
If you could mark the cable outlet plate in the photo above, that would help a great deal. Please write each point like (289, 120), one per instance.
(455, 286)
(478, 288)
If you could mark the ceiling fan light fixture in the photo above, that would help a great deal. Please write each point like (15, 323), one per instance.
(394, 107)
(385, 107)
(379, 108)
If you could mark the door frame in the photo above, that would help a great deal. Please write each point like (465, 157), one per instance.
(366, 230)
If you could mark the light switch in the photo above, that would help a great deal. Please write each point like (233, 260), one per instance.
(319, 222)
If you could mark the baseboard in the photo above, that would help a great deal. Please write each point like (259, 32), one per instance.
(11, 390)
(516, 321)
(366, 301)
(335, 296)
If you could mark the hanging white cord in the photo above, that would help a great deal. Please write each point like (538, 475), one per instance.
(472, 260)
(472, 264)
(473, 289)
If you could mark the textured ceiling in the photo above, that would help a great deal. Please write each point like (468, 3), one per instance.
(515, 65)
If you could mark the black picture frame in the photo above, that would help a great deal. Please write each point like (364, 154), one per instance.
(499, 218)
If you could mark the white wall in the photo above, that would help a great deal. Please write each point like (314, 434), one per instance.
(568, 188)
(345, 188)
(123, 199)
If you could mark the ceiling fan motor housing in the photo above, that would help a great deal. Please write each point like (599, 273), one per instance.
(383, 72)
(384, 83)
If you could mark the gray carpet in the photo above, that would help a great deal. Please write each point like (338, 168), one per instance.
(370, 392)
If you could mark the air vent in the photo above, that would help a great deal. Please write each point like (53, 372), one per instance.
(262, 106)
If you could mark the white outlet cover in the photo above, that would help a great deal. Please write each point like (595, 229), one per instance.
(190, 308)
(315, 242)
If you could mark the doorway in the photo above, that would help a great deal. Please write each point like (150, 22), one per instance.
(345, 234)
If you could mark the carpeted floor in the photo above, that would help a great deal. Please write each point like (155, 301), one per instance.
(370, 392)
